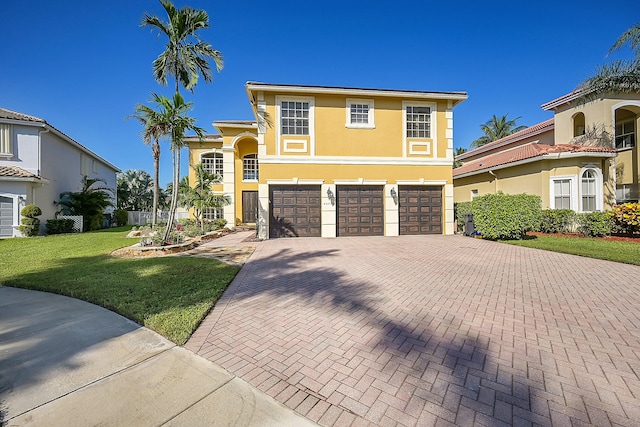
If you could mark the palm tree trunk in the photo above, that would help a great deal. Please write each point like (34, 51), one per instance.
(174, 196)
(155, 149)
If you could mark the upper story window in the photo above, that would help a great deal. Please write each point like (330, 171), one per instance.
(212, 163)
(418, 120)
(295, 117)
(578, 124)
(360, 113)
(5, 139)
(250, 167)
(625, 134)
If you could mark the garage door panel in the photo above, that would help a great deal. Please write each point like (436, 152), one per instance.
(420, 209)
(295, 211)
(360, 210)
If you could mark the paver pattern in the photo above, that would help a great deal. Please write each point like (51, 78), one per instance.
(432, 330)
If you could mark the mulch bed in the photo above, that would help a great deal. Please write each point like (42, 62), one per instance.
(616, 238)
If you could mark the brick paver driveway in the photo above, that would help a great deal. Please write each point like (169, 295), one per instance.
(424, 330)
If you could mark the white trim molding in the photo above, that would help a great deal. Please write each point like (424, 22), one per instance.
(599, 185)
(573, 188)
(290, 143)
(352, 160)
(414, 148)
(278, 125)
(433, 126)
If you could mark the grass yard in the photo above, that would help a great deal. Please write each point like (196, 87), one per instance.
(170, 295)
(612, 250)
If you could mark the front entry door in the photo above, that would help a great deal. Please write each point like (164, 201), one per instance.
(249, 207)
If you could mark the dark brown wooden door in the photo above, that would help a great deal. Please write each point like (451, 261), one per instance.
(360, 210)
(420, 209)
(249, 206)
(295, 211)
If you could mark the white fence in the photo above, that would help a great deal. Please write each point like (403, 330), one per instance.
(144, 218)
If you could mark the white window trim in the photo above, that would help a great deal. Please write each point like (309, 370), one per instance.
(279, 134)
(293, 145)
(434, 125)
(371, 119)
(257, 168)
(420, 148)
(573, 185)
(599, 196)
(11, 144)
(214, 151)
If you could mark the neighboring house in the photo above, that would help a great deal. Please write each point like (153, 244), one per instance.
(37, 163)
(334, 161)
(585, 158)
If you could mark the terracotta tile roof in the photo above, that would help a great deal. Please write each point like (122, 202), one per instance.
(15, 172)
(565, 98)
(528, 151)
(545, 126)
(13, 115)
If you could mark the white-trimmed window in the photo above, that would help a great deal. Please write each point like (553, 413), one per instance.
(474, 194)
(418, 121)
(360, 113)
(588, 181)
(626, 134)
(212, 163)
(213, 213)
(6, 147)
(250, 167)
(294, 117)
(563, 192)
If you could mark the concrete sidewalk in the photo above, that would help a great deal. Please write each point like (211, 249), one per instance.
(67, 362)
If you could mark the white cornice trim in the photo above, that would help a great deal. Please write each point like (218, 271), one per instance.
(295, 181)
(22, 179)
(348, 160)
(421, 181)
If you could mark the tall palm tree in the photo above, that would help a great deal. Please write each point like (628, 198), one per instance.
(496, 128)
(620, 76)
(185, 58)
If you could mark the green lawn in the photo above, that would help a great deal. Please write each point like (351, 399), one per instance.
(626, 252)
(170, 295)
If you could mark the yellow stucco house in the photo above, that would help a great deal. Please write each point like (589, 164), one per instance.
(335, 161)
(585, 158)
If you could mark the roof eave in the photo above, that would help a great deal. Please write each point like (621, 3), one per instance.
(25, 179)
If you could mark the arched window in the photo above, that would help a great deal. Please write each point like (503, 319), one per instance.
(578, 125)
(588, 182)
(212, 163)
(250, 167)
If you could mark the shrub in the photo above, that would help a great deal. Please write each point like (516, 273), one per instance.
(626, 218)
(557, 220)
(506, 216)
(59, 226)
(30, 224)
(594, 224)
(121, 217)
(460, 210)
(219, 223)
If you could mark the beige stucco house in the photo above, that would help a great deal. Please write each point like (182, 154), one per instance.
(585, 158)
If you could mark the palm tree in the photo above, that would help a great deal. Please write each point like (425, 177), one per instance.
(620, 76)
(185, 58)
(200, 196)
(496, 128)
(154, 129)
(90, 202)
(135, 190)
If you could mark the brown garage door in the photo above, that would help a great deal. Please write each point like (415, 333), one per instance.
(360, 210)
(420, 209)
(295, 211)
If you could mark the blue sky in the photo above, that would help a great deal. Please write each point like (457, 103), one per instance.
(84, 65)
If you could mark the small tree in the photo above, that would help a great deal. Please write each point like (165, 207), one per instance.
(30, 223)
(90, 202)
(201, 196)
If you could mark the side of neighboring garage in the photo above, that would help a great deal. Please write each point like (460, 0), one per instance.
(355, 210)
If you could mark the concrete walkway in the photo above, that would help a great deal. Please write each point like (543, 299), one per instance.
(65, 362)
(432, 330)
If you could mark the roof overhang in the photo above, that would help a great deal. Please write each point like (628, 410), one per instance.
(456, 97)
(35, 179)
(548, 156)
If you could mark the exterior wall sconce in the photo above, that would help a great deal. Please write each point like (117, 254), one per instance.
(331, 196)
(394, 195)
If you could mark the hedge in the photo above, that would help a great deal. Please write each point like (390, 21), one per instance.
(505, 216)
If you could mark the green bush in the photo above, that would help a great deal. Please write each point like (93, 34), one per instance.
(594, 224)
(506, 216)
(95, 222)
(121, 217)
(219, 223)
(626, 218)
(60, 226)
(30, 224)
(557, 220)
(460, 210)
